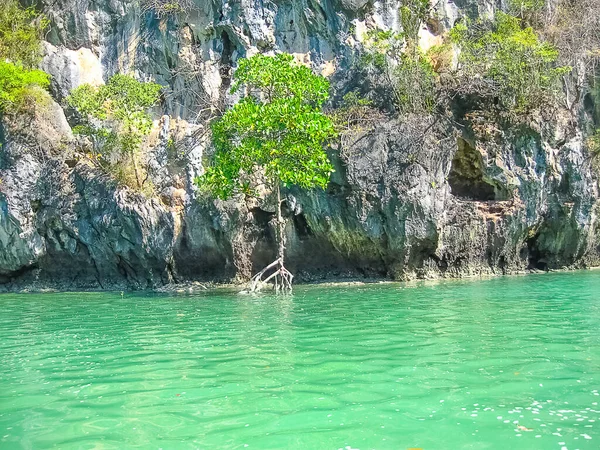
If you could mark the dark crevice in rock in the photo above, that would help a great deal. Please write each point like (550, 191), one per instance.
(536, 258)
(441, 263)
(316, 6)
(589, 106)
(502, 264)
(263, 235)
(467, 176)
(98, 275)
(205, 262)
(19, 273)
(302, 227)
(226, 60)
(171, 273)
(262, 219)
(564, 186)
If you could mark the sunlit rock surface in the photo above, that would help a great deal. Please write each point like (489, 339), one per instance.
(422, 198)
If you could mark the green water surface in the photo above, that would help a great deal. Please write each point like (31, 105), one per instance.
(505, 363)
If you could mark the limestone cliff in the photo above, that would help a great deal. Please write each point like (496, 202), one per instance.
(419, 198)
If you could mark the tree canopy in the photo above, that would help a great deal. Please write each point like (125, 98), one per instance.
(115, 117)
(277, 126)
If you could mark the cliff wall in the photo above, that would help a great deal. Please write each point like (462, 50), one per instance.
(423, 197)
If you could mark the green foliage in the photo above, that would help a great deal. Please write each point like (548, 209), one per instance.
(115, 118)
(380, 48)
(277, 126)
(412, 14)
(20, 87)
(593, 147)
(20, 52)
(593, 143)
(407, 73)
(354, 100)
(414, 86)
(516, 6)
(356, 113)
(164, 8)
(279, 77)
(528, 10)
(440, 56)
(514, 64)
(121, 106)
(21, 32)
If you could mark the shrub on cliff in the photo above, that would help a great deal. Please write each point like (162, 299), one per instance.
(164, 8)
(355, 114)
(115, 119)
(503, 60)
(593, 143)
(277, 129)
(398, 61)
(20, 89)
(21, 31)
(406, 72)
(574, 28)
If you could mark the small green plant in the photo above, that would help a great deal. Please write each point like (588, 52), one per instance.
(381, 46)
(527, 10)
(115, 119)
(502, 59)
(21, 33)
(356, 113)
(406, 71)
(440, 56)
(409, 76)
(277, 128)
(164, 8)
(415, 84)
(412, 14)
(21, 84)
(593, 143)
(20, 88)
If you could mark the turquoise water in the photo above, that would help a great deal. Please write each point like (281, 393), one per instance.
(505, 363)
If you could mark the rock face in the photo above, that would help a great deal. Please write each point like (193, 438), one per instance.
(428, 197)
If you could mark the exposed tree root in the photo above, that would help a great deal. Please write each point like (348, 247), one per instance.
(276, 272)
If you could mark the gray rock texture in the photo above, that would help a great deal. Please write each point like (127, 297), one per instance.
(422, 198)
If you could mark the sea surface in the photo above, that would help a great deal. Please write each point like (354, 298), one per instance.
(503, 363)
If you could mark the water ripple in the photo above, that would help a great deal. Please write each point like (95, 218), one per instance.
(502, 363)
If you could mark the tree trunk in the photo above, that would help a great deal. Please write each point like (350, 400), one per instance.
(135, 170)
(280, 228)
(281, 277)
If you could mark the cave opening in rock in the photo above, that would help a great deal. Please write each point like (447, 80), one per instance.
(226, 59)
(466, 176)
(590, 106)
(536, 258)
(302, 227)
(227, 49)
